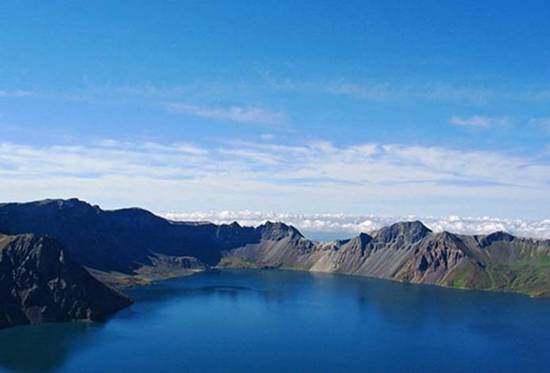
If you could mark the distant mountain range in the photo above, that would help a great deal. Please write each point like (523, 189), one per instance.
(134, 246)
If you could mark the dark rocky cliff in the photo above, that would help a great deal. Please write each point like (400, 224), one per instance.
(40, 283)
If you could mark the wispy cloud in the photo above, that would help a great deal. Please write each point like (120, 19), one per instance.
(479, 121)
(238, 114)
(423, 92)
(346, 225)
(15, 93)
(386, 91)
(389, 178)
(381, 91)
(419, 91)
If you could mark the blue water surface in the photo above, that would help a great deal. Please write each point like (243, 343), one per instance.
(272, 321)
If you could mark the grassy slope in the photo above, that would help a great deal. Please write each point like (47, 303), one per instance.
(517, 267)
(527, 275)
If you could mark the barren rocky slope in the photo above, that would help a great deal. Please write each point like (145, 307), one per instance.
(40, 283)
(410, 252)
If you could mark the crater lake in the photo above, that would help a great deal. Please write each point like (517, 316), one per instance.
(271, 321)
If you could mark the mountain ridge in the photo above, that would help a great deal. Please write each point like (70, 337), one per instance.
(134, 243)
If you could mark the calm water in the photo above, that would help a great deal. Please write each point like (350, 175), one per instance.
(291, 321)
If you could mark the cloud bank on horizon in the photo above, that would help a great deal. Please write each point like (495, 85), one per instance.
(310, 178)
(343, 225)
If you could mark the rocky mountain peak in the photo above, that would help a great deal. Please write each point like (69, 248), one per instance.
(496, 237)
(364, 238)
(410, 231)
(64, 203)
(446, 238)
(277, 230)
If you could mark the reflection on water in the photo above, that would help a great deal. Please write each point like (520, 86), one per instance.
(44, 347)
(276, 320)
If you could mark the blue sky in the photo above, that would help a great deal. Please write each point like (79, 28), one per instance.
(426, 108)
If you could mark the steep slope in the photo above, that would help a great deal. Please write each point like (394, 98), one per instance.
(40, 283)
(129, 246)
(510, 263)
(121, 240)
(279, 245)
(410, 252)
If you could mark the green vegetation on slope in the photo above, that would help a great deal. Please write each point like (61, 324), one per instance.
(528, 275)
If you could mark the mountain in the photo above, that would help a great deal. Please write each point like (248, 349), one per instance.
(120, 240)
(40, 283)
(130, 245)
(410, 252)
(133, 246)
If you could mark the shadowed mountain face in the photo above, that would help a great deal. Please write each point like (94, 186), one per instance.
(132, 245)
(40, 283)
(120, 240)
(134, 241)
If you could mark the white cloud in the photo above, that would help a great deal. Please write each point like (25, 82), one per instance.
(15, 93)
(247, 115)
(389, 179)
(348, 225)
(479, 121)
